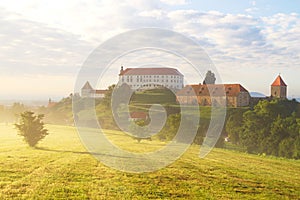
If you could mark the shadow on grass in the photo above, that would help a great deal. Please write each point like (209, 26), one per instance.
(79, 152)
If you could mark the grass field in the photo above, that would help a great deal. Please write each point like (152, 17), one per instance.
(62, 169)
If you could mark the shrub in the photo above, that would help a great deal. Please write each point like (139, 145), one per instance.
(31, 128)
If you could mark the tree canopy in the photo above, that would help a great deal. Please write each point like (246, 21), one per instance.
(271, 128)
(31, 128)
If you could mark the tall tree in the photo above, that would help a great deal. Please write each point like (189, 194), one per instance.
(209, 78)
(31, 128)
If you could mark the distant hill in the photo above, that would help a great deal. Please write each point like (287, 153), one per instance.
(297, 98)
(257, 94)
(25, 102)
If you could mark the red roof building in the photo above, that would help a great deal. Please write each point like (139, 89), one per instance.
(138, 116)
(150, 78)
(279, 88)
(88, 91)
(278, 82)
(150, 71)
(234, 95)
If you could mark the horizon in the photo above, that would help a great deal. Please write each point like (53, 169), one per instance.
(42, 100)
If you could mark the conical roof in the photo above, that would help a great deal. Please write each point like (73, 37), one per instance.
(278, 82)
(87, 85)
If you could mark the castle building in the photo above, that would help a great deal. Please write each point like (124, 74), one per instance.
(88, 91)
(235, 95)
(150, 78)
(278, 88)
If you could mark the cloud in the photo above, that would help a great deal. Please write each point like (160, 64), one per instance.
(242, 40)
(251, 10)
(174, 2)
(31, 47)
(40, 37)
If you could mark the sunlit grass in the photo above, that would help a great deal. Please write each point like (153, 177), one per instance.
(60, 168)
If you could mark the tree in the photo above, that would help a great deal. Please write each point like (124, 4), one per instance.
(170, 129)
(31, 127)
(139, 130)
(271, 128)
(209, 78)
(107, 98)
(234, 125)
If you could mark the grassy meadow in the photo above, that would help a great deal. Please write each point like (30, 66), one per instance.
(61, 168)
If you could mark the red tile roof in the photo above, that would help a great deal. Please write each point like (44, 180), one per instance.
(278, 82)
(101, 91)
(212, 90)
(138, 115)
(150, 71)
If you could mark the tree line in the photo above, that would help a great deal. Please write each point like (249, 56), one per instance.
(271, 128)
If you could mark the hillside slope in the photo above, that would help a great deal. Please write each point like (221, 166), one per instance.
(61, 168)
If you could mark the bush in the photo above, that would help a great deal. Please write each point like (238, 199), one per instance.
(31, 128)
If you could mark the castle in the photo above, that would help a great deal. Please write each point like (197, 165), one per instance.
(213, 94)
(236, 94)
(88, 91)
(206, 94)
(150, 78)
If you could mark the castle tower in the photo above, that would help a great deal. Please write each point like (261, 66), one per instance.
(278, 88)
(87, 90)
(122, 70)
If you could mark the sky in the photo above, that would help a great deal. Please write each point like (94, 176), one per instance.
(45, 43)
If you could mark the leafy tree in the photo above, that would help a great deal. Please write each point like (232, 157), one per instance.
(234, 125)
(202, 130)
(31, 128)
(209, 78)
(141, 132)
(170, 129)
(107, 98)
(286, 148)
(271, 128)
(296, 153)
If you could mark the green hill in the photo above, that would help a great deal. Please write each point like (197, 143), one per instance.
(152, 96)
(62, 169)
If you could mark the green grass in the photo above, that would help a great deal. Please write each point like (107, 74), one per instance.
(62, 169)
(161, 96)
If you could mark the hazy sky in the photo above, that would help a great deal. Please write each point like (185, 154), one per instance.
(44, 43)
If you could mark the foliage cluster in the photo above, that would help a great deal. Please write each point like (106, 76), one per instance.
(271, 128)
(31, 128)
